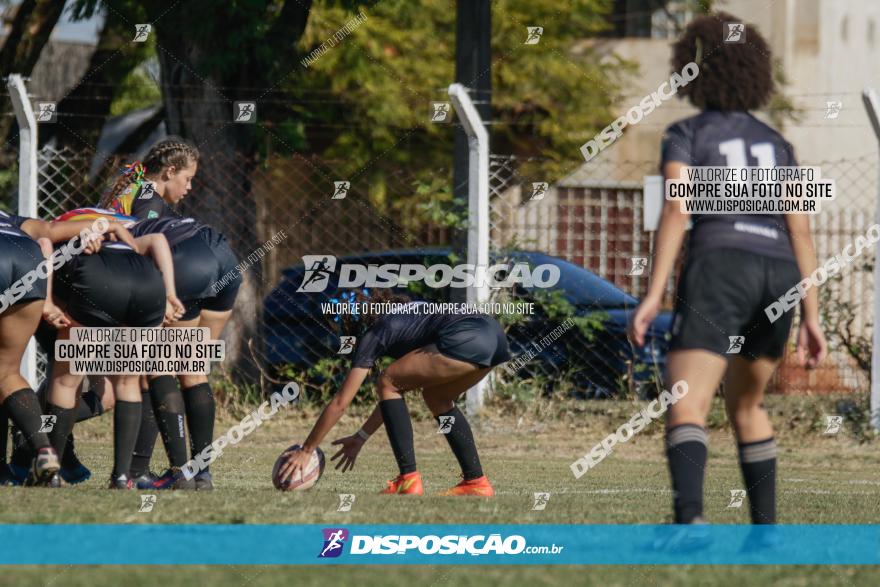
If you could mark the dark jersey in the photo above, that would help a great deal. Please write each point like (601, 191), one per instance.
(732, 139)
(142, 201)
(175, 229)
(394, 335)
(10, 224)
(149, 204)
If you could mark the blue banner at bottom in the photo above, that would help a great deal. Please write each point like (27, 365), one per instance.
(419, 544)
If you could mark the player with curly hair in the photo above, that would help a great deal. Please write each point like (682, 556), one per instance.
(736, 266)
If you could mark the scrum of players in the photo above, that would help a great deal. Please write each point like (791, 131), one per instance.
(147, 266)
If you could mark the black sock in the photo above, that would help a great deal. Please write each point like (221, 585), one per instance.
(4, 434)
(461, 441)
(758, 463)
(70, 460)
(169, 410)
(89, 406)
(687, 451)
(199, 416)
(24, 409)
(146, 440)
(126, 422)
(65, 418)
(400, 433)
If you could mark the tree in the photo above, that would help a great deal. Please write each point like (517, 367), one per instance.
(86, 107)
(33, 23)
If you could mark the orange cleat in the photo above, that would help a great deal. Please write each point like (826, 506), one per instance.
(479, 487)
(409, 484)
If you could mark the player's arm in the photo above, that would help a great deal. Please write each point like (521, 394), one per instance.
(810, 338)
(156, 246)
(52, 314)
(351, 445)
(326, 421)
(670, 237)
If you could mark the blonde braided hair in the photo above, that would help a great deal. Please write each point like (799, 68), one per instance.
(172, 151)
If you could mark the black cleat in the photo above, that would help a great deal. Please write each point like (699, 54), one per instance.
(120, 482)
(204, 482)
(145, 480)
(174, 478)
(44, 468)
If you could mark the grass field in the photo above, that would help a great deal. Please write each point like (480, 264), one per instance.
(822, 479)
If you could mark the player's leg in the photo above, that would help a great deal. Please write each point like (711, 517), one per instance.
(199, 398)
(146, 440)
(686, 439)
(744, 396)
(126, 423)
(420, 368)
(440, 400)
(64, 387)
(19, 401)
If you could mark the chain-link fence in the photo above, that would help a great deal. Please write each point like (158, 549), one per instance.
(594, 218)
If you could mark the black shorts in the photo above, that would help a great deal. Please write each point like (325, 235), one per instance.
(116, 287)
(18, 257)
(204, 273)
(723, 293)
(477, 339)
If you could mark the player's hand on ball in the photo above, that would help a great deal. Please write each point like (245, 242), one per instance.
(296, 460)
(641, 320)
(351, 446)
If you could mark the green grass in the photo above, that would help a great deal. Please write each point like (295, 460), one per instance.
(822, 479)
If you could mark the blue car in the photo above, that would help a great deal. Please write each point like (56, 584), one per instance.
(600, 361)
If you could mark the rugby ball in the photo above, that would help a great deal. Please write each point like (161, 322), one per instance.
(302, 480)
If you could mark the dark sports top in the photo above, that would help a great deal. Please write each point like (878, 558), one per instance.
(142, 201)
(708, 140)
(394, 335)
(175, 229)
(10, 224)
